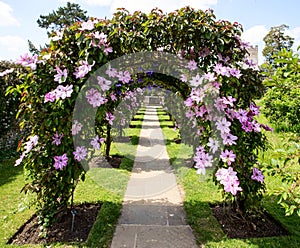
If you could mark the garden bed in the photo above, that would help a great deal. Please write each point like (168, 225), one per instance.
(60, 231)
(115, 161)
(236, 226)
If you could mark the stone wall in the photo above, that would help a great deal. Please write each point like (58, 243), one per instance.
(253, 50)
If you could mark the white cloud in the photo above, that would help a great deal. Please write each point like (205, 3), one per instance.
(255, 34)
(6, 17)
(12, 46)
(295, 33)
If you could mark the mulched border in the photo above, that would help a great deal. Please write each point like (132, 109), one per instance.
(60, 231)
(255, 226)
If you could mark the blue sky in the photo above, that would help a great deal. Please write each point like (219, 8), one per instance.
(18, 18)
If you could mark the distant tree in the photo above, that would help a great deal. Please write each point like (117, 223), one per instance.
(275, 41)
(64, 16)
(32, 48)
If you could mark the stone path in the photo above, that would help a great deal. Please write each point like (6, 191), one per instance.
(152, 213)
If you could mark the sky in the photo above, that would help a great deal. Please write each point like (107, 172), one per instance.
(18, 18)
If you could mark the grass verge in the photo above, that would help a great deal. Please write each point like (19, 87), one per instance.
(14, 209)
(200, 192)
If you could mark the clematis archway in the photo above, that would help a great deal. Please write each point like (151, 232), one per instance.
(219, 98)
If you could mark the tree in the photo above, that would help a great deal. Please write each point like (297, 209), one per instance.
(64, 16)
(276, 40)
(282, 100)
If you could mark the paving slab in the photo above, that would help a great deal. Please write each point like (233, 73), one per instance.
(151, 236)
(155, 214)
(152, 214)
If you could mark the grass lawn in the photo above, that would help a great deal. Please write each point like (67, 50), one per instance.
(106, 186)
(200, 192)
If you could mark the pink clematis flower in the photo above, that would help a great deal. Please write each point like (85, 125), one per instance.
(50, 97)
(257, 175)
(27, 61)
(60, 161)
(57, 138)
(110, 117)
(228, 177)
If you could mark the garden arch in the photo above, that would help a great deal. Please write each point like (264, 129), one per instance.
(59, 73)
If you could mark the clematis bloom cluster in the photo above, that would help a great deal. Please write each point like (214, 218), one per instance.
(228, 178)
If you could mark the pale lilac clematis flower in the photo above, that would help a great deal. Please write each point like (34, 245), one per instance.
(83, 69)
(221, 70)
(61, 75)
(196, 81)
(124, 76)
(89, 25)
(223, 125)
(235, 72)
(104, 83)
(111, 72)
(229, 139)
(95, 98)
(183, 78)
(192, 65)
(108, 50)
(19, 160)
(8, 71)
(80, 153)
(210, 76)
(228, 156)
(50, 97)
(213, 145)
(113, 97)
(96, 142)
(33, 140)
(76, 127)
(64, 92)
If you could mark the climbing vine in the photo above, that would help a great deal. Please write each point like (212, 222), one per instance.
(219, 99)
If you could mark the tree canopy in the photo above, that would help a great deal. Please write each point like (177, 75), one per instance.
(64, 16)
(275, 41)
